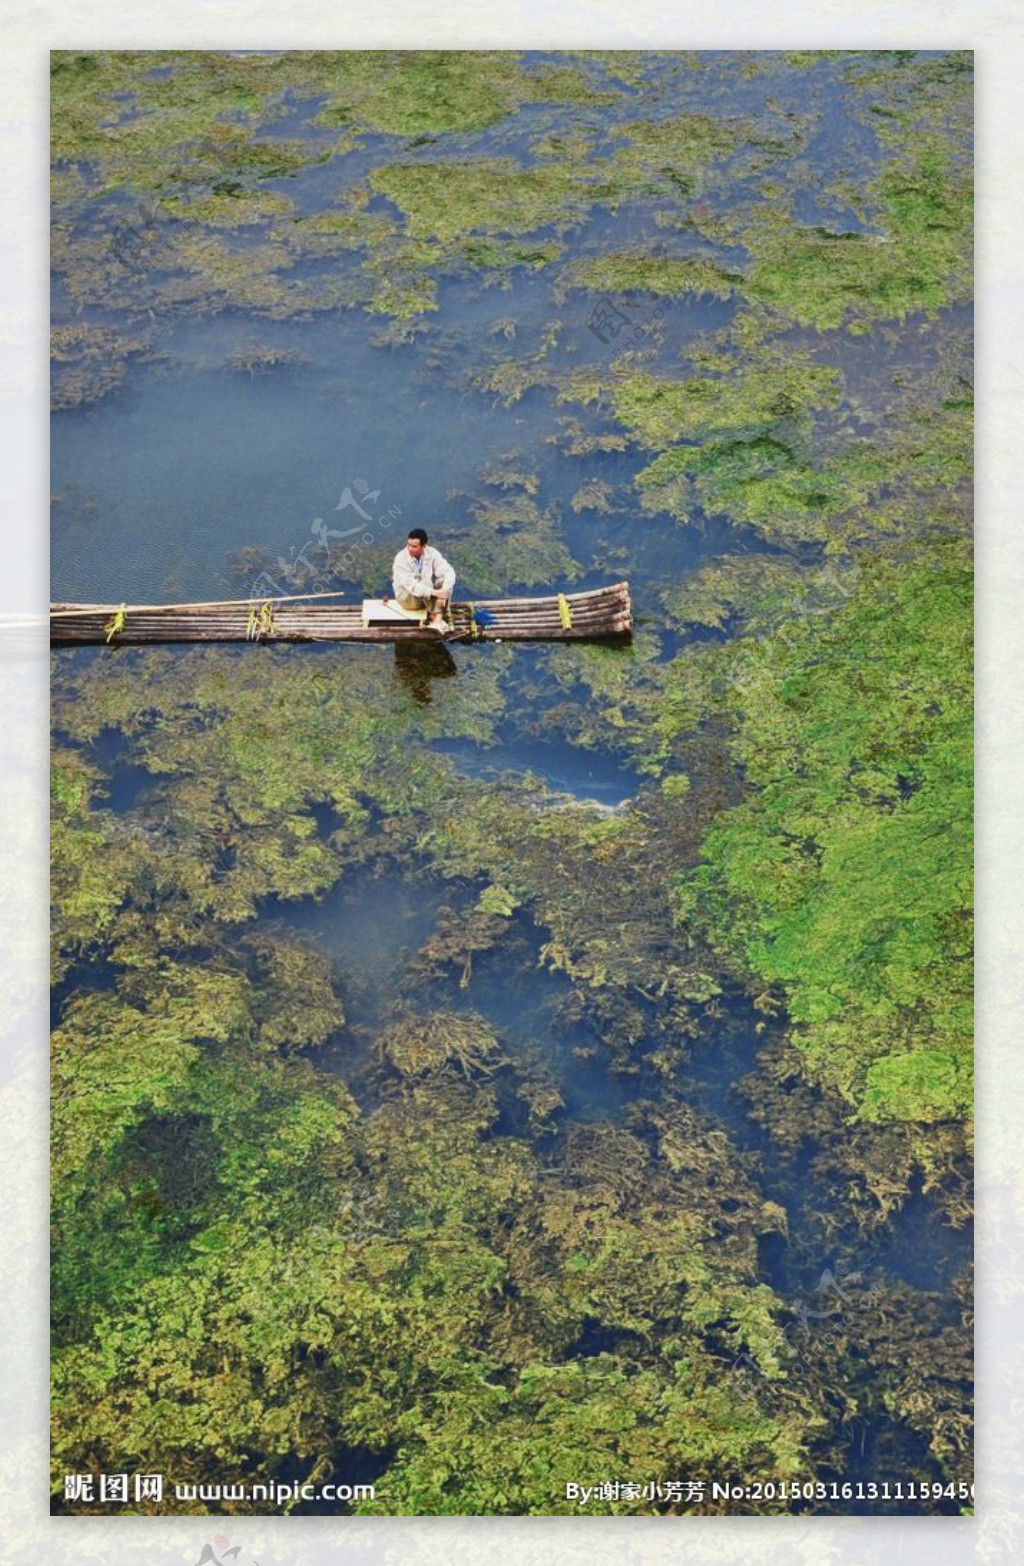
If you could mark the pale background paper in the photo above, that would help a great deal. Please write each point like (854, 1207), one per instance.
(995, 30)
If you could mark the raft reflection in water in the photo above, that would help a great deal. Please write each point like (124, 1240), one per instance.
(419, 664)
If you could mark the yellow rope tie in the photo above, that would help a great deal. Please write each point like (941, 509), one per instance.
(116, 623)
(565, 612)
(260, 622)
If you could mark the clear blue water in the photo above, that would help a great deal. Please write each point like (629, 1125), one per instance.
(589, 775)
(158, 486)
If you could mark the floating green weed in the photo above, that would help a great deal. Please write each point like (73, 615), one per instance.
(654, 275)
(448, 201)
(846, 875)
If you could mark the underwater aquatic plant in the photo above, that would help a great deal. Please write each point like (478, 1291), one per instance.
(416, 1044)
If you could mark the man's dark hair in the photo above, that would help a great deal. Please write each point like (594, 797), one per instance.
(418, 534)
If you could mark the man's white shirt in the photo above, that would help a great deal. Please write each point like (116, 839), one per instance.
(424, 577)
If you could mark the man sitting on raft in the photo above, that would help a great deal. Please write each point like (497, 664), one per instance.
(423, 579)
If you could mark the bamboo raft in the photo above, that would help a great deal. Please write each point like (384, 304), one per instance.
(604, 613)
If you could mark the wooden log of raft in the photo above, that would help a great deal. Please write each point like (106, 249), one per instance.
(603, 612)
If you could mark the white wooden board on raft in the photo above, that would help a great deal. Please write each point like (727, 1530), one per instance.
(380, 611)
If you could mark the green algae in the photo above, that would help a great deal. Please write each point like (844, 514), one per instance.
(923, 1085)
(758, 589)
(770, 436)
(447, 201)
(460, 934)
(498, 900)
(593, 881)
(388, 1240)
(913, 93)
(191, 140)
(614, 1225)
(398, 1266)
(417, 1044)
(631, 66)
(236, 209)
(505, 473)
(297, 1006)
(667, 275)
(508, 380)
(747, 436)
(260, 358)
(240, 780)
(249, 756)
(863, 893)
(593, 496)
(89, 860)
(428, 93)
(90, 361)
(619, 687)
(512, 541)
(675, 153)
(473, 207)
(578, 441)
(925, 1392)
(918, 261)
(770, 396)
(403, 297)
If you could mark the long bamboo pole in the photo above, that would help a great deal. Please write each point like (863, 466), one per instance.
(210, 603)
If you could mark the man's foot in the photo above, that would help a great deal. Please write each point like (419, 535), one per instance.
(438, 622)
